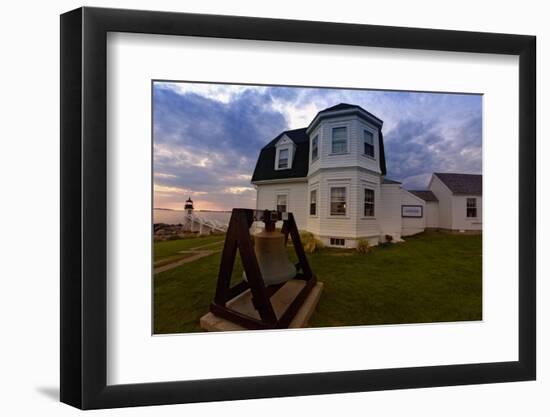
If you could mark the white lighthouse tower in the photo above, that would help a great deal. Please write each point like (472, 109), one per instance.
(189, 217)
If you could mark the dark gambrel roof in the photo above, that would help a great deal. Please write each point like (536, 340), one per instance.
(462, 183)
(341, 106)
(265, 167)
(346, 106)
(425, 195)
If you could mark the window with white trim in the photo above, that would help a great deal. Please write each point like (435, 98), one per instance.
(313, 203)
(368, 210)
(340, 139)
(334, 241)
(315, 148)
(368, 143)
(471, 207)
(283, 159)
(338, 201)
(282, 202)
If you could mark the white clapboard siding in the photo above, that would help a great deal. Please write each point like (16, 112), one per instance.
(444, 196)
(337, 226)
(354, 225)
(432, 214)
(296, 199)
(314, 222)
(460, 221)
(369, 227)
(412, 225)
(354, 155)
(390, 210)
(316, 164)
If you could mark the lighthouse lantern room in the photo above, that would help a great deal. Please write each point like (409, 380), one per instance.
(189, 206)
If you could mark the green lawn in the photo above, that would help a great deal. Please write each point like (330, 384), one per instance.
(172, 258)
(169, 248)
(432, 277)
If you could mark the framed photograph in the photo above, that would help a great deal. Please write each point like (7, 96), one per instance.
(257, 208)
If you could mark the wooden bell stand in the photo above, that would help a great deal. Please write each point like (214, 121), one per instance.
(238, 238)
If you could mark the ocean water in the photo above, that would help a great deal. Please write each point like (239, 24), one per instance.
(177, 216)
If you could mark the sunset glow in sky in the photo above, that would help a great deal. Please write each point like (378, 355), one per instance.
(207, 137)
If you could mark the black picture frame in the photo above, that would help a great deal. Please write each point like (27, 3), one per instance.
(83, 207)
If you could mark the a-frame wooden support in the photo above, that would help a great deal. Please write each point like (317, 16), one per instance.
(238, 238)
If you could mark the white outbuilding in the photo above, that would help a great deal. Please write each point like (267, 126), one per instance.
(459, 202)
(332, 176)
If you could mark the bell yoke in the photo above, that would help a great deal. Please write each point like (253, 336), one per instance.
(266, 268)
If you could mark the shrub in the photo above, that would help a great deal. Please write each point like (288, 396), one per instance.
(363, 246)
(389, 238)
(304, 236)
(309, 242)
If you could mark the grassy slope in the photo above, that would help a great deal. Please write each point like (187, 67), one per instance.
(432, 277)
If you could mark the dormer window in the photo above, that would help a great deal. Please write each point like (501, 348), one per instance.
(285, 150)
(368, 142)
(283, 159)
(340, 139)
(315, 148)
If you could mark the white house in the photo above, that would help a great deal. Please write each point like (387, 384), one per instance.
(331, 175)
(456, 202)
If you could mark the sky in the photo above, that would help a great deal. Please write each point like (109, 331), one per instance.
(207, 137)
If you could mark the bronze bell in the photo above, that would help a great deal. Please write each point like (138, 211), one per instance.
(270, 249)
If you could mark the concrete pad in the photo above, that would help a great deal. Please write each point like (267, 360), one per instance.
(280, 301)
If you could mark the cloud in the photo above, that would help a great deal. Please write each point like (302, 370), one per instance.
(239, 190)
(206, 137)
(224, 93)
(445, 137)
(202, 144)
